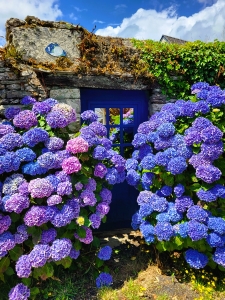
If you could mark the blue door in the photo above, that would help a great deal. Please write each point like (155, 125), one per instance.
(121, 112)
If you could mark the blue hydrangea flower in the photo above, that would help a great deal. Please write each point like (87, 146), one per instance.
(131, 163)
(219, 256)
(26, 154)
(147, 180)
(56, 119)
(39, 255)
(195, 212)
(216, 224)
(196, 259)
(196, 230)
(144, 150)
(98, 128)
(183, 203)
(60, 249)
(215, 240)
(51, 102)
(140, 139)
(208, 173)
(164, 231)
(177, 165)
(11, 141)
(105, 253)
(11, 112)
(33, 169)
(166, 130)
(145, 210)
(179, 189)
(183, 229)
(132, 178)
(27, 100)
(148, 162)
(136, 221)
(148, 231)
(35, 136)
(104, 279)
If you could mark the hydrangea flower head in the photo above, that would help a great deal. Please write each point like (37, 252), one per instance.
(105, 253)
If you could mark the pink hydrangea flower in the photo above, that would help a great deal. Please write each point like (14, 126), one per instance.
(71, 165)
(77, 145)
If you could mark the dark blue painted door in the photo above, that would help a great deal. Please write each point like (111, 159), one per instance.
(121, 112)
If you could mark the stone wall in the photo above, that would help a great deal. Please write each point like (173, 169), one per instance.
(20, 76)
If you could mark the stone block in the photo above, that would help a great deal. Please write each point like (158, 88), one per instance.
(16, 94)
(68, 93)
(14, 86)
(8, 76)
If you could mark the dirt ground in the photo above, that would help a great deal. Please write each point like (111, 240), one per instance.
(132, 259)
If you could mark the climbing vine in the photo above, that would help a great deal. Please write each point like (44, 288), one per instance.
(176, 67)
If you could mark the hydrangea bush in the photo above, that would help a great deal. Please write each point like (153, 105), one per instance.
(54, 190)
(178, 166)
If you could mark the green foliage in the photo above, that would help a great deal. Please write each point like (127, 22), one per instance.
(176, 67)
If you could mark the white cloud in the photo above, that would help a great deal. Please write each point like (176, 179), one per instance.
(73, 17)
(98, 21)
(118, 6)
(43, 9)
(206, 25)
(79, 9)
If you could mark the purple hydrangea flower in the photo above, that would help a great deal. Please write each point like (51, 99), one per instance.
(208, 173)
(5, 222)
(41, 108)
(23, 266)
(95, 221)
(25, 119)
(54, 143)
(98, 128)
(48, 236)
(106, 195)
(183, 203)
(88, 238)
(65, 110)
(11, 141)
(54, 199)
(40, 188)
(39, 255)
(74, 254)
(60, 249)
(19, 292)
(5, 129)
(51, 102)
(89, 116)
(17, 203)
(36, 216)
(56, 120)
(100, 170)
(211, 134)
(64, 188)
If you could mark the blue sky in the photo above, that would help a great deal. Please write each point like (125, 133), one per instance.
(142, 19)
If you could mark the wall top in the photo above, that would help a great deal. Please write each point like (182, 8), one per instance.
(65, 49)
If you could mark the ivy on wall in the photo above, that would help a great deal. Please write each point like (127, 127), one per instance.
(176, 67)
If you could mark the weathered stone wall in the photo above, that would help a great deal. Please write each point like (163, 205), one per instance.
(26, 43)
(14, 86)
